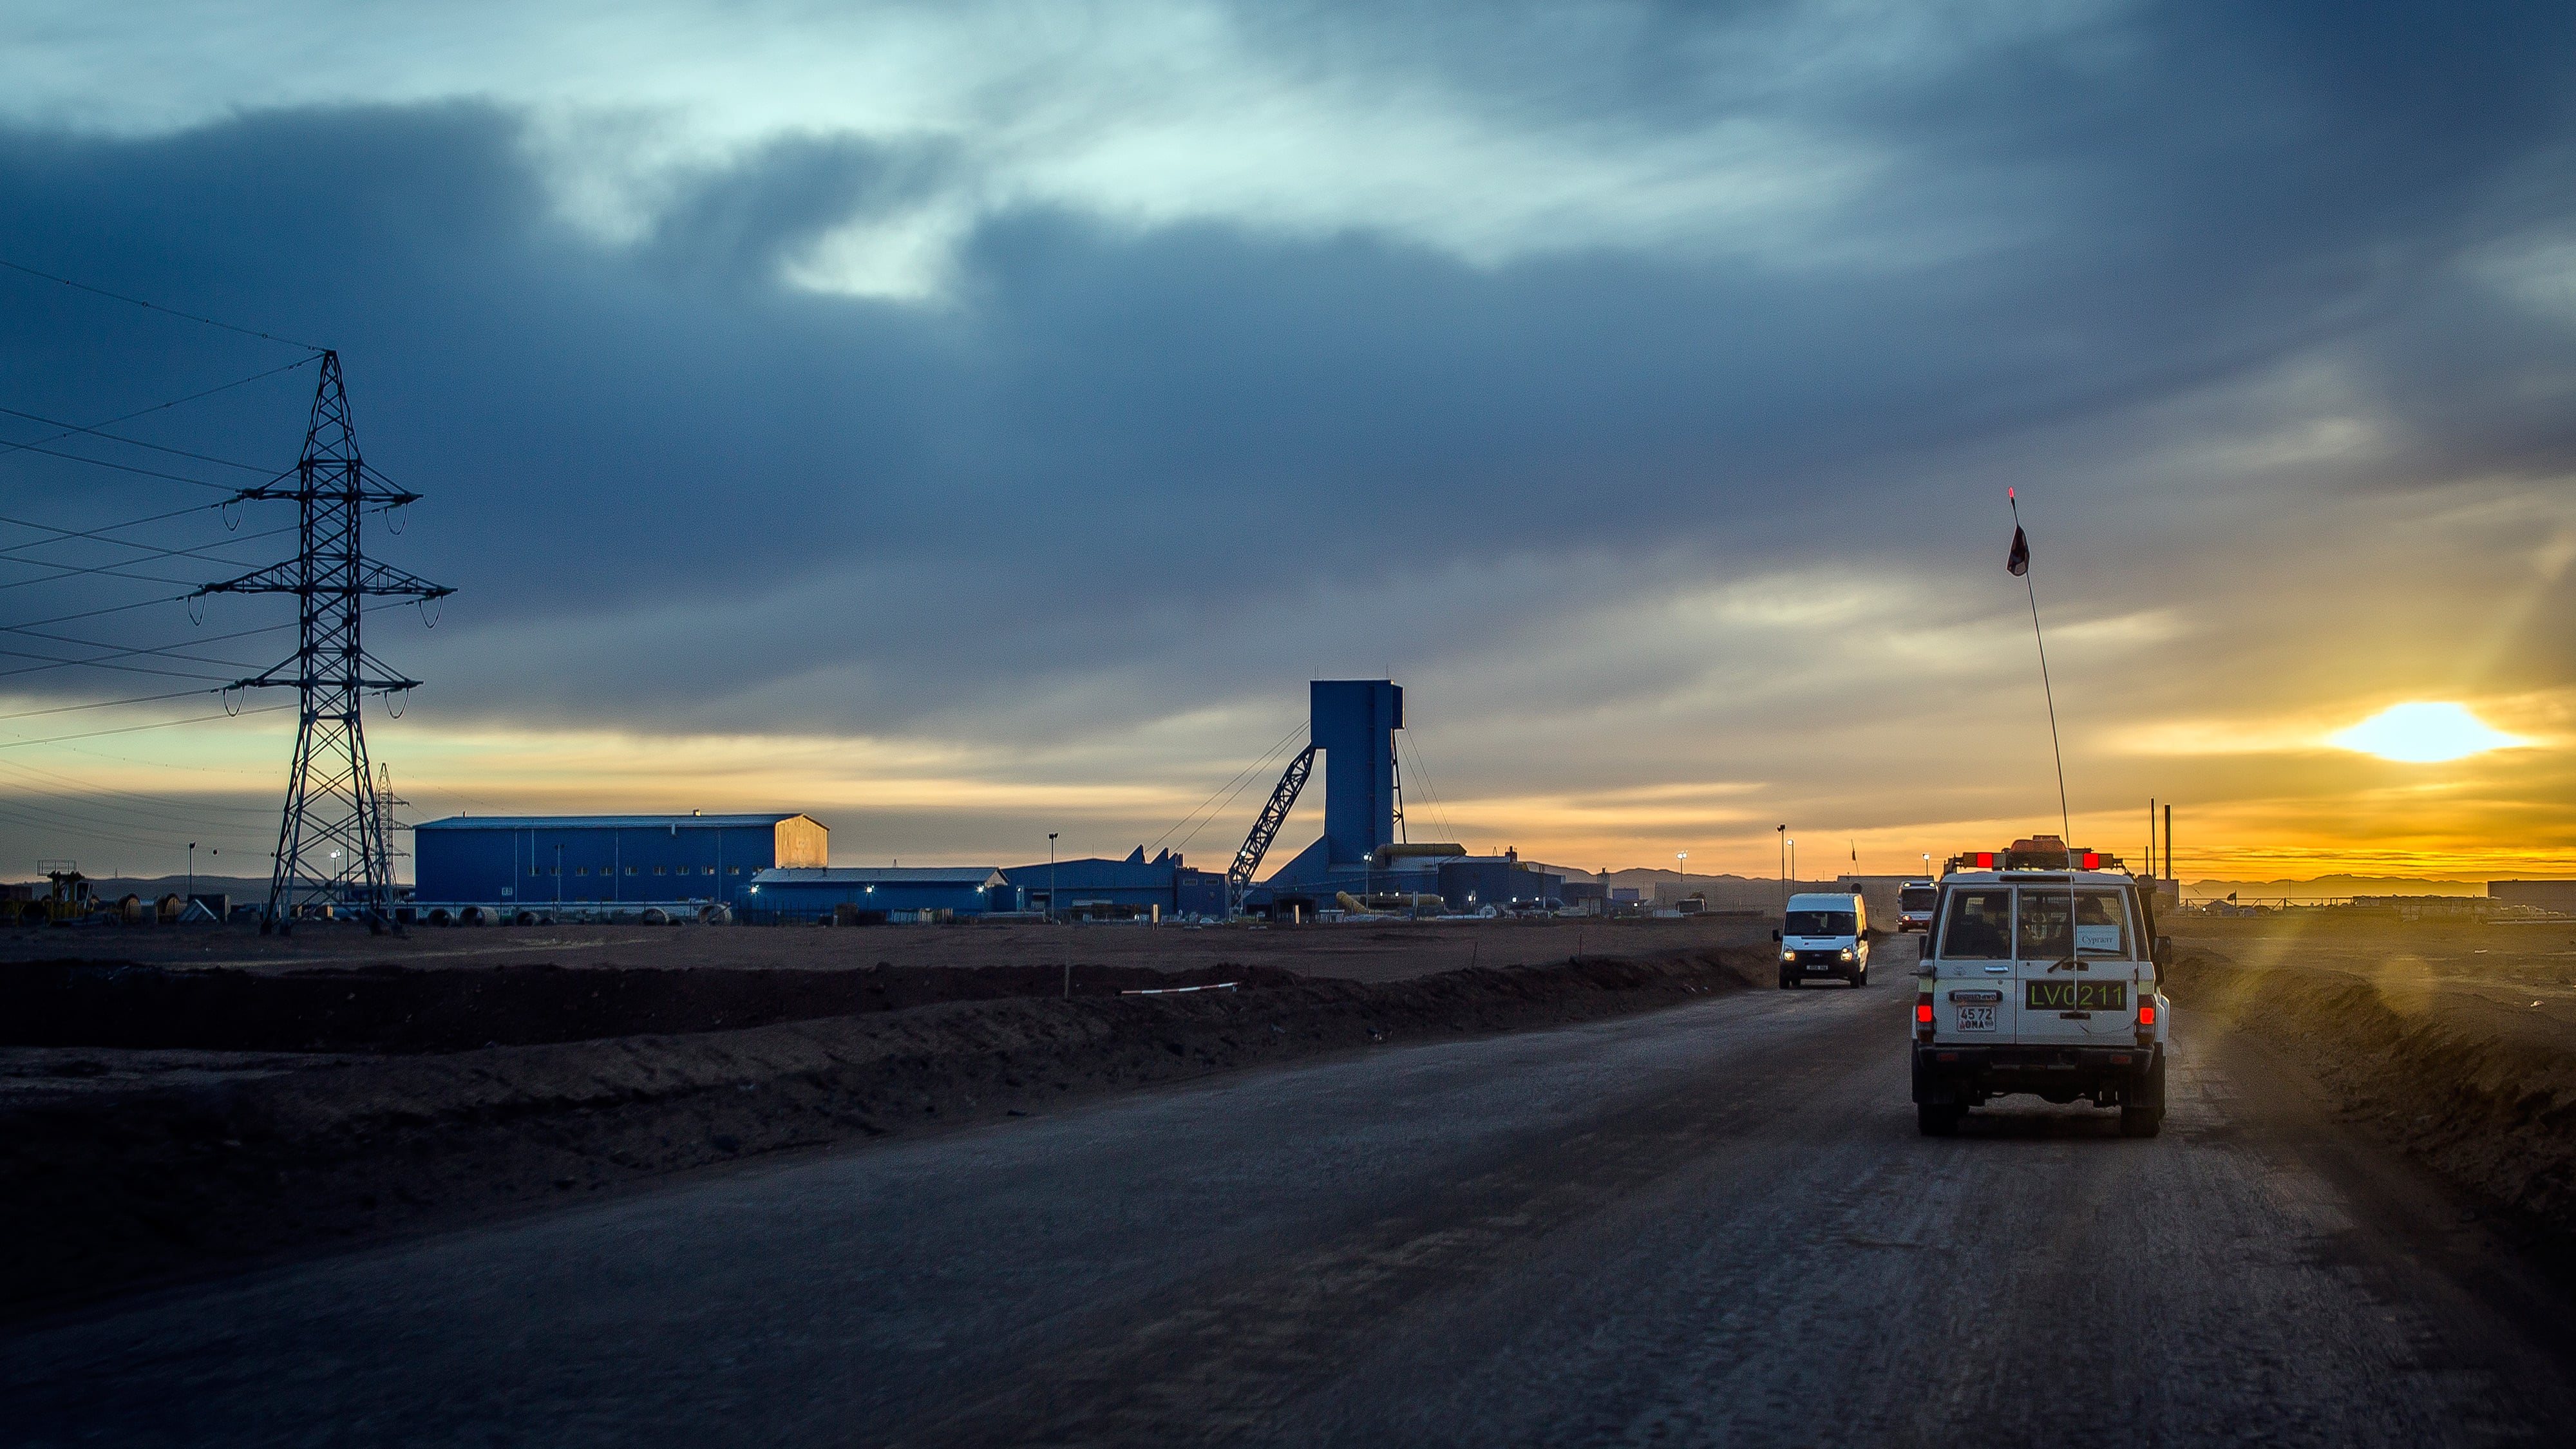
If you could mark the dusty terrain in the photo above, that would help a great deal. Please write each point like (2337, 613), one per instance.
(159, 1120)
(1356, 951)
(2457, 1042)
(1711, 1224)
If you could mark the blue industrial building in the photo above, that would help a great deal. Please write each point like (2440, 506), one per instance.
(1470, 883)
(878, 893)
(1096, 887)
(590, 862)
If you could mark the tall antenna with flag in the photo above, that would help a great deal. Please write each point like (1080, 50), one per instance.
(2017, 563)
(331, 845)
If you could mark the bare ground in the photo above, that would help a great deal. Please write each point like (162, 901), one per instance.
(1353, 951)
(122, 1166)
(2456, 1042)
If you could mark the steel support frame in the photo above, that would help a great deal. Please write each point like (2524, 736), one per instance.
(332, 842)
(1265, 830)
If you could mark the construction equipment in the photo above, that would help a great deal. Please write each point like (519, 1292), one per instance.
(1265, 830)
(69, 900)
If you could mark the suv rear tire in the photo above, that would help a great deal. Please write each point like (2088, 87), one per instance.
(1937, 1120)
(2146, 1116)
(1788, 982)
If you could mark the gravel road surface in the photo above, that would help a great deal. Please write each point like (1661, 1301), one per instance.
(1712, 1224)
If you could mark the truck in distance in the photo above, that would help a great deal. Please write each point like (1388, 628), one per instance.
(2044, 982)
(1914, 901)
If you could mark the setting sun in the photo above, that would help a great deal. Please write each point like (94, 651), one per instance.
(2423, 734)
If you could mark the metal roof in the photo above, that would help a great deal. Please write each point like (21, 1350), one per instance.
(603, 822)
(975, 875)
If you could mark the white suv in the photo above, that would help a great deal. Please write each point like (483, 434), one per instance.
(2047, 982)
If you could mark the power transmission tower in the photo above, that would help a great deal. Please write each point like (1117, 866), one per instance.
(386, 824)
(331, 844)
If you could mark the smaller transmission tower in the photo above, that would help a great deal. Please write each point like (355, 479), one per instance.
(386, 824)
(331, 844)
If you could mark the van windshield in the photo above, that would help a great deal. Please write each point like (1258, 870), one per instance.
(1820, 923)
(1920, 898)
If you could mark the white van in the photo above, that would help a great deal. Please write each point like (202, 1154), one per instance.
(1826, 934)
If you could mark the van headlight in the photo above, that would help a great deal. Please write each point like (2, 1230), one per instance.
(1847, 953)
(1787, 954)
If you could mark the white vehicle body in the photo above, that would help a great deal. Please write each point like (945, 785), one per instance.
(2046, 982)
(1825, 935)
(1915, 901)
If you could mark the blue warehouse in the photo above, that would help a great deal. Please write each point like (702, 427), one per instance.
(586, 863)
(1098, 887)
(878, 893)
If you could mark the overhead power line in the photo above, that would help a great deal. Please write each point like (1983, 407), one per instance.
(100, 535)
(64, 571)
(155, 307)
(120, 467)
(130, 729)
(134, 442)
(69, 429)
(174, 652)
(107, 703)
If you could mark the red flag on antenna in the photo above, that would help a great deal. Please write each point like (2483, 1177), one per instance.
(2017, 563)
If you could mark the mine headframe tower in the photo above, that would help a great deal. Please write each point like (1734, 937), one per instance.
(331, 845)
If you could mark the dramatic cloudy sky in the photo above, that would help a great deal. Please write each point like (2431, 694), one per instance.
(966, 421)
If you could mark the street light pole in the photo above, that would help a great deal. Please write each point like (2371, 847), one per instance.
(1681, 862)
(192, 875)
(1050, 915)
(1793, 861)
(1784, 866)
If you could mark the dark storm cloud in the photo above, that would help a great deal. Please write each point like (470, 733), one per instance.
(673, 489)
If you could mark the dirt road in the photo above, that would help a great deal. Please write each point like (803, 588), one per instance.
(1714, 1223)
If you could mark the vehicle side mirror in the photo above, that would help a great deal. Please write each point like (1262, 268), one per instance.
(2164, 952)
(1775, 935)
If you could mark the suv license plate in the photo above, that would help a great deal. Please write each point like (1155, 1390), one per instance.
(1976, 1018)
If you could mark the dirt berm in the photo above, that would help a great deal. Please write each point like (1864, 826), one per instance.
(121, 1165)
(2484, 1095)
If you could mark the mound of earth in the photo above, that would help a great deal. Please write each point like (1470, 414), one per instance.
(409, 1009)
(2484, 1092)
(121, 1165)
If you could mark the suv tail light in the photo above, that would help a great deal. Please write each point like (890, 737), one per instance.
(2147, 1022)
(1923, 1017)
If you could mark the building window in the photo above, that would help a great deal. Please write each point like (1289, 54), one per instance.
(581, 870)
(733, 870)
(657, 870)
(630, 870)
(532, 870)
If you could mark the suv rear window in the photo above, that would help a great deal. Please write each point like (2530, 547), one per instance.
(1819, 923)
(1979, 927)
(2101, 925)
